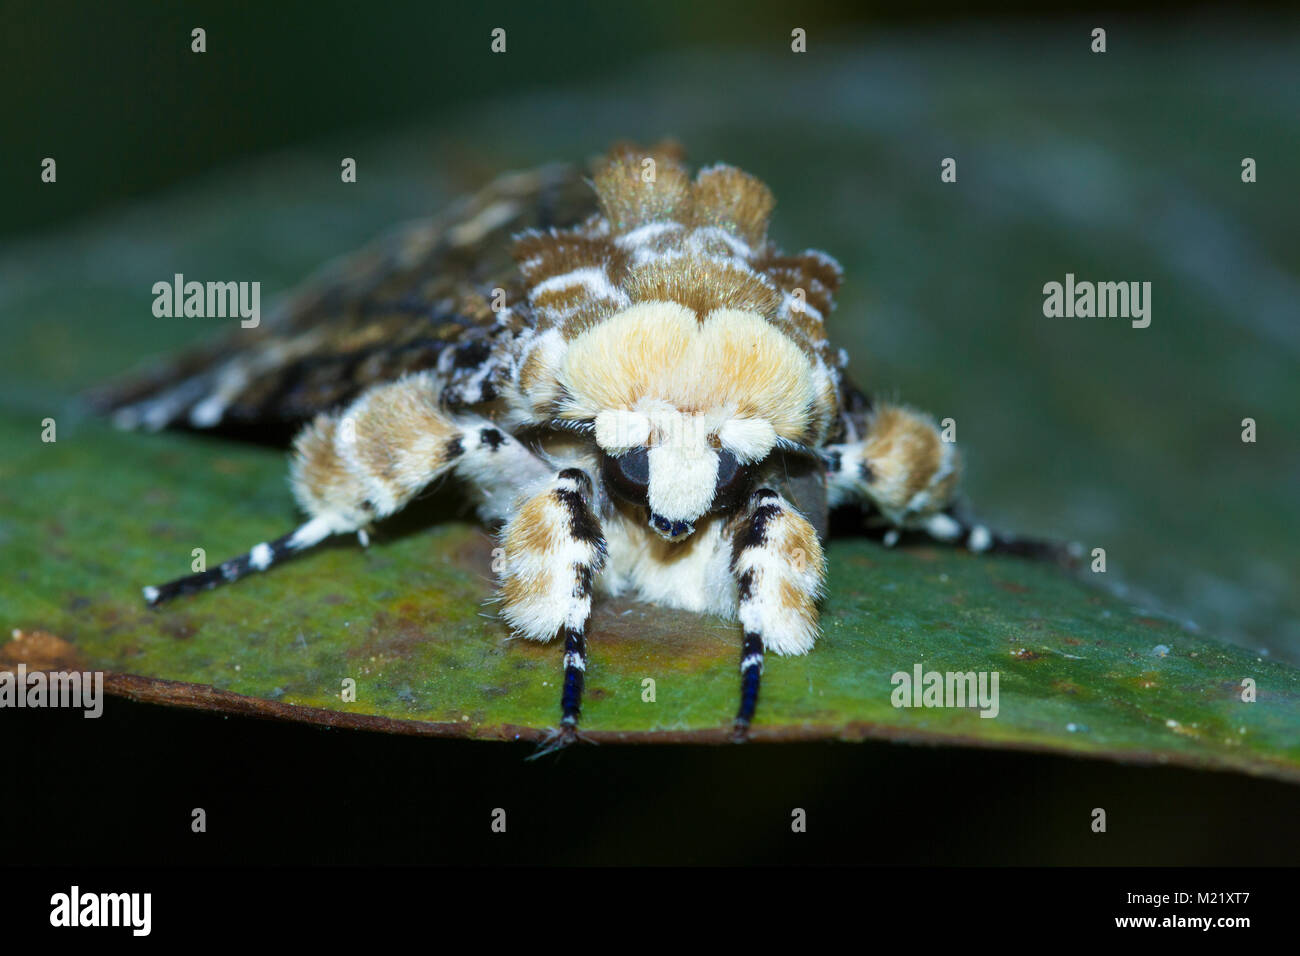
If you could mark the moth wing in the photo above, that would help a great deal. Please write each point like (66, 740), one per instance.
(394, 307)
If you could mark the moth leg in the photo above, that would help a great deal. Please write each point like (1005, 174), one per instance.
(899, 465)
(953, 526)
(367, 462)
(261, 557)
(553, 549)
(901, 470)
(780, 571)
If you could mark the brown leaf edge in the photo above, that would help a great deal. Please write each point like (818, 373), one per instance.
(171, 693)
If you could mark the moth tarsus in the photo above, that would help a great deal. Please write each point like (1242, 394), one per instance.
(557, 740)
(634, 383)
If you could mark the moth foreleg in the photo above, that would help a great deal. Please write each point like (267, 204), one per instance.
(553, 549)
(780, 571)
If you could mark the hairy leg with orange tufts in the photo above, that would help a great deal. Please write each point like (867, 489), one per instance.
(780, 572)
(905, 475)
(367, 461)
(553, 550)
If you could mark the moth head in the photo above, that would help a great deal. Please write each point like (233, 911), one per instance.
(680, 466)
(685, 407)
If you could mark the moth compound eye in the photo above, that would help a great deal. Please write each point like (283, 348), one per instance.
(628, 475)
(733, 481)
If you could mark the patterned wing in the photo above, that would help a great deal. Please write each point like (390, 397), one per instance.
(400, 305)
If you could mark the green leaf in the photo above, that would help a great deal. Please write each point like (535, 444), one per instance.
(1057, 421)
(95, 515)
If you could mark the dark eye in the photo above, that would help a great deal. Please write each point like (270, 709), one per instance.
(628, 476)
(733, 481)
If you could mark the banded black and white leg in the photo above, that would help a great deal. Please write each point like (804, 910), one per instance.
(751, 676)
(366, 463)
(780, 572)
(553, 549)
(954, 527)
(259, 558)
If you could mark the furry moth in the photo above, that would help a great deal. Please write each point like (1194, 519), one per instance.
(633, 381)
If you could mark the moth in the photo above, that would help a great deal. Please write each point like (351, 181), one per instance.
(633, 382)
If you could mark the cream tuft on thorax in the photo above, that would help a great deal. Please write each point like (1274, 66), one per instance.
(729, 362)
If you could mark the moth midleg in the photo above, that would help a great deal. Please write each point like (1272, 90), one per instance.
(901, 467)
(259, 558)
(901, 463)
(952, 526)
(553, 549)
(780, 571)
(366, 462)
